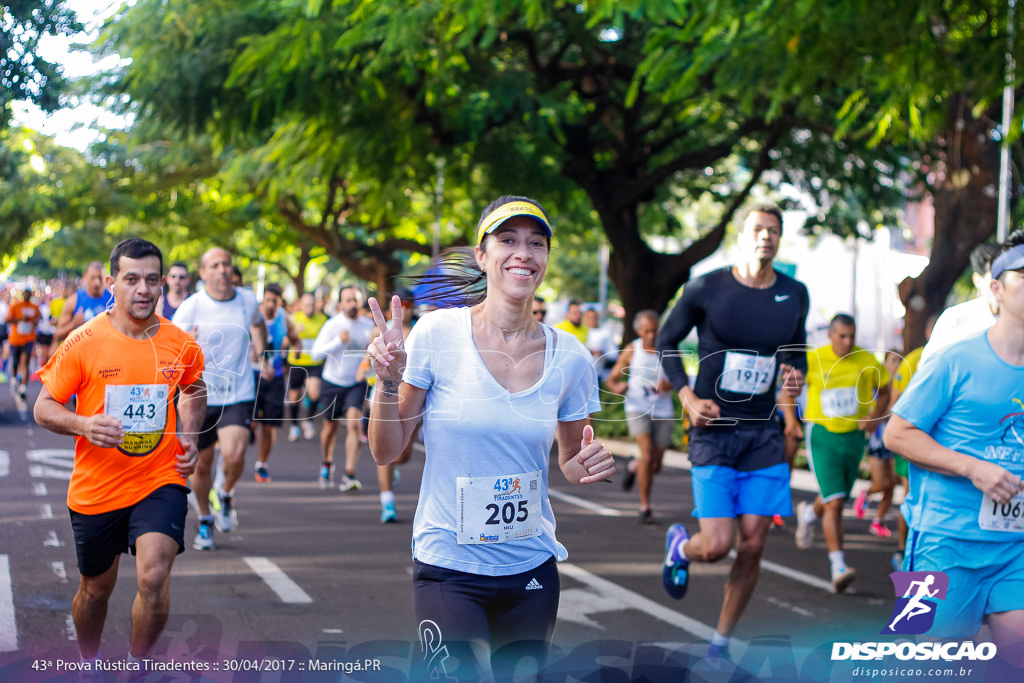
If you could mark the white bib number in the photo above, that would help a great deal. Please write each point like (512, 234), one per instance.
(840, 402)
(995, 516)
(745, 373)
(499, 509)
(142, 409)
(24, 327)
(219, 387)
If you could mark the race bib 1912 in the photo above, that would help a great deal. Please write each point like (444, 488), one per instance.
(746, 373)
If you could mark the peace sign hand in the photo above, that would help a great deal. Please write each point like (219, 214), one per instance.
(387, 350)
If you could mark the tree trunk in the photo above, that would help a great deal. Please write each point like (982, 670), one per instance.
(965, 216)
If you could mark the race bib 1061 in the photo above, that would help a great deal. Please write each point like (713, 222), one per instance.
(840, 402)
(499, 509)
(995, 516)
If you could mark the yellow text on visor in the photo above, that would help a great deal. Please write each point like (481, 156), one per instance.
(506, 211)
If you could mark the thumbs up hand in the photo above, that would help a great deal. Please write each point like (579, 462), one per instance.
(594, 458)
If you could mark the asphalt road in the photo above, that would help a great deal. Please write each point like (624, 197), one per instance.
(312, 577)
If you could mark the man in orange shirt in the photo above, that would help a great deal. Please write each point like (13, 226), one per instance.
(22, 319)
(127, 489)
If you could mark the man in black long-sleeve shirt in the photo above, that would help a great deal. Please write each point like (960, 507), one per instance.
(750, 322)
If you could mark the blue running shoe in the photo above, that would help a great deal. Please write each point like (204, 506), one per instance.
(675, 574)
(388, 514)
(718, 651)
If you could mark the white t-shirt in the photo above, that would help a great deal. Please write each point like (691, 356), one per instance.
(642, 395)
(956, 324)
(476, 432)
(342, 359)
(222, 330)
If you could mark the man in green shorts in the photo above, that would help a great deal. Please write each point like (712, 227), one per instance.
(842, 381)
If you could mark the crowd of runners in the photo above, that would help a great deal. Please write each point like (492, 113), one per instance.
(166, 384)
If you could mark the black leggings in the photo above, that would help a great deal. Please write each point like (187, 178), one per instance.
(469, 621)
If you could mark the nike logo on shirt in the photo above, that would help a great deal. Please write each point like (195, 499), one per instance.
(781, 298)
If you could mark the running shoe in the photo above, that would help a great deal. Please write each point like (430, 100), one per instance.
(349, 483)
(204, 535)
(629, 479)
(308, 430)
(897, 561)
(861, 504)
(879, 529)
(778, 522)
(718, 651)
(842, 579)
(22, 395)
(325, 477)
(675, 574)
(804, 530)
(646, 517)
(388, 514)
(262, 474)
(293, 433)
(227, 518)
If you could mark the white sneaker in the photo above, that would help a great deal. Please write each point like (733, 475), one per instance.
(308, 430)
(293, 433)
(841, 580)
(349, 483)
(226, 518)
(804, 531)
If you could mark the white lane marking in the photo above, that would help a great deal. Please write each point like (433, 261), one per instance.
(792, 608)
(8, 629)
(794, 574)
(42, 472)
(52, 541)
(38, 488)
(69, 627)
(46, 511)
(51, 463)
(334, 631)
(59, 571)
(5, 463)
(587, 505)
(279, 582)
(623, 596)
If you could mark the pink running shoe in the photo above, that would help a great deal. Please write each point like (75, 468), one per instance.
(860, 504)
(879, 529)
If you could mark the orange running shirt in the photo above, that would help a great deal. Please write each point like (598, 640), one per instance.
(134, 380)
(21, 323)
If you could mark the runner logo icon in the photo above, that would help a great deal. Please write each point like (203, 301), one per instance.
(917, 594)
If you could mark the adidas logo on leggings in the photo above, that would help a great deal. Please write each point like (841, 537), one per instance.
(534, 585)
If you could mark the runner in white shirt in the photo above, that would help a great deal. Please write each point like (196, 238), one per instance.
(494, 387)
(959, 322)
(223, 320)
(342, 345)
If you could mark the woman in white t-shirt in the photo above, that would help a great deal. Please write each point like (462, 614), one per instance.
(494, 387)
(650, 414)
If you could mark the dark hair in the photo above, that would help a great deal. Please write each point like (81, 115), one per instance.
(179, 264)
(576, 302)
(842, 319)
(133, 248)
(983, 256)
(1014, 239)
(273, 288)
(539, 299)
(348, 285)
(761, 207)
(237, 272)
